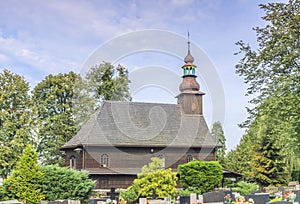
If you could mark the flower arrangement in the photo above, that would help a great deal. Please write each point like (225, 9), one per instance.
(240, 199)
(251, 201)
(227, 198)
(290, 196)
(109, 201)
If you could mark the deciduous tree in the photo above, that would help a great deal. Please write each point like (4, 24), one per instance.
(62, 104)
(272, 71)
(15, 120)
(109, 82)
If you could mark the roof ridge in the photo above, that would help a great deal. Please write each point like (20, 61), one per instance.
(139, 102)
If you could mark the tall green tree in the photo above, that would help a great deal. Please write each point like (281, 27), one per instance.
(23, 183)
(268, 162)
(271, 69)
(62, 104)
(276, 59)
(15, 120)
(109, 82)
(238, 159)
(218, 133)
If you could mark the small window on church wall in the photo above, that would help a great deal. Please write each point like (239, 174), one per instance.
(189, 158)
(72, 162)
(104, 160)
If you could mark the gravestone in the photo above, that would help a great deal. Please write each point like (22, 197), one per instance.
(213, 197)
(259, 198)
(184, 200)
(282, 202)
(64, 202)
(282, 190)
(98, 200)
(297, 192)
(142, 200)
(154, 195)
(193, 198)
(167, 200)
(113, 195)
(226, 192)
(11, 202)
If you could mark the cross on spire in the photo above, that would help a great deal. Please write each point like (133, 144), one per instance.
(189, 43)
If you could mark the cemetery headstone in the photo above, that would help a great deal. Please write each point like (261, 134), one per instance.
(98, 200)
(167, 200)
(64, 202)
(11, 202)
(213, 197)
(142, 200)
(184, 200)
(259, 198)
(297, 192)
(113, 195)
(193, 198)
(282, 190)
(228, 192)
(154, 195)
(282, 202)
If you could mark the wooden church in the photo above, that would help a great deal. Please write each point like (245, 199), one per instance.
(121, 137)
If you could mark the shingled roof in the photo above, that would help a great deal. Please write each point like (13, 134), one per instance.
(131, 124)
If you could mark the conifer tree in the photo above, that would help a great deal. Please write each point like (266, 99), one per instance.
(218, 133)
(23, 183)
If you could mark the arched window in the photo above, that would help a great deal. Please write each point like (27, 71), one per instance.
(189, 157)
(104, 160)
(72, 162)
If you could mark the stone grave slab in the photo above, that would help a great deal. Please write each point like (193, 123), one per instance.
(213, 197)
(259, 198)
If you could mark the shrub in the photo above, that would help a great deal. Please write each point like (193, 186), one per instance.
(131, 195)
(203, 176)
(23, 183)
(64, 183)
(245, 188)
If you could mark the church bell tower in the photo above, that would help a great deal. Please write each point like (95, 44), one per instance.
(190, 98)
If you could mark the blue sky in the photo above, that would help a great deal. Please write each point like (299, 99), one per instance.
(38, 38)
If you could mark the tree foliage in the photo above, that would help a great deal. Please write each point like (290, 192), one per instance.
(218, 133)
(269, 159)
(23, 183)
(62, 105)
(162, 182)
(273, 75)
(155, 165)
(245, 188)
(276, 59)
(238, 160)
(153, 178)
(15, 120)
(203, 176)
(60, 183)
(108, 82)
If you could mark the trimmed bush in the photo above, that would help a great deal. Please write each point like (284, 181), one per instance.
(202, 176)
(63, 183)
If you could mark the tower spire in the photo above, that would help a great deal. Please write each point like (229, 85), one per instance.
(189, 43)
(190, 97)
(189, 67)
